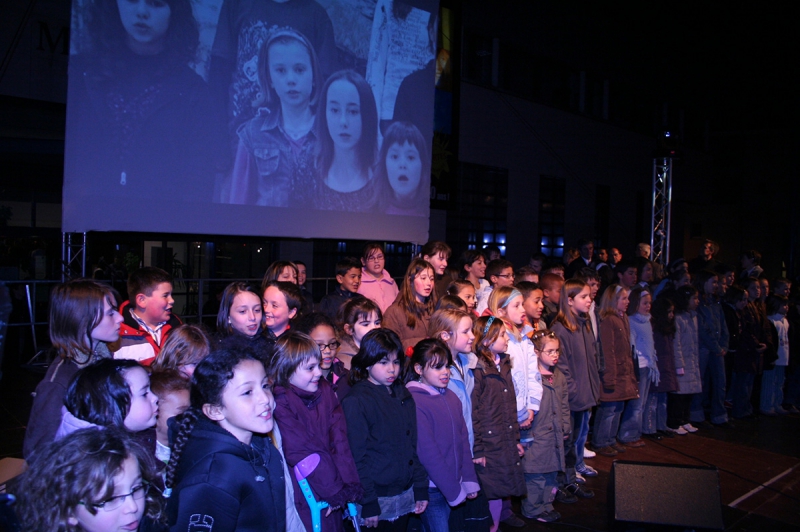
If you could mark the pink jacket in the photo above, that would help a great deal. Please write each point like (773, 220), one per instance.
(382, 291)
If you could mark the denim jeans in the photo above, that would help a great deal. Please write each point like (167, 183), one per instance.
(436, 516)
(712, 374)
(541, 493)
(742, 391)
(654, 417)
(580, 426)
(772, 388)
(606, 423)
(630, 426)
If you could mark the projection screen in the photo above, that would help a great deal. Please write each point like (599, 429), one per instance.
(303, 118)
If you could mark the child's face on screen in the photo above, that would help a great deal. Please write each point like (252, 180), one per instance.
(144, 403)
(145, 21)
(290, 73)
(343, 112)
(404, 169)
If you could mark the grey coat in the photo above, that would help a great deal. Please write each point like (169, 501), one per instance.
(578, 363)
(687, 353)
(550, 426)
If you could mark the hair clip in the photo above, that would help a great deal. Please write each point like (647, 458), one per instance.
(488, 323)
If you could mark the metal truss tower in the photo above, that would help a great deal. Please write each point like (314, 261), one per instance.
(662, 210)
(73, 256)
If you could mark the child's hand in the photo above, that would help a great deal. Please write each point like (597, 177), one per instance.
(520, 450)
(472, 495)
(420, 506)
(761, 348)
(527, 423)
(480, 461)
(679, 371)
(371, 522)
(331, 509)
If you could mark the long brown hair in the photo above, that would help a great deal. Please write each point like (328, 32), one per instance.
(566, 316)
(76, 308)
(413, 309)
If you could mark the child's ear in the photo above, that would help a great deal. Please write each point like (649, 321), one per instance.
(72, 521)
(444, 335)
(292, 313)
(418, 369)
(141, 301)
(348, 330)
(340, 279)
(363, 263)
(213, 412)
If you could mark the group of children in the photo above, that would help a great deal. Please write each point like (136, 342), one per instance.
(289, 419)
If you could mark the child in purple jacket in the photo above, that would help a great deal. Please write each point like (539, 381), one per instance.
(443, 443)
(311, 421)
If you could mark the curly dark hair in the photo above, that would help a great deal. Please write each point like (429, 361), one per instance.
(208, 384)
(79, 468)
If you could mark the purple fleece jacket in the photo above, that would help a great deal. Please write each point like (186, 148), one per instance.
(443, 442)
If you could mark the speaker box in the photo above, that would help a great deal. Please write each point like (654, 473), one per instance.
(665, 494)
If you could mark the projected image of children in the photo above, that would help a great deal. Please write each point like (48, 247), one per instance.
(402, 177)
(137, 110)
(340, 177)
(271, 144)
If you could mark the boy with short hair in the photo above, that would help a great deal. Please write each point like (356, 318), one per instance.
(626, 273)
(499, 272)
(348, 275)
(526, 274)
(147, 316)
(551, 289)
(533, 303)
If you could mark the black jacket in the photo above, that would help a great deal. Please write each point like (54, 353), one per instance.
(382, 429)
(225, 482)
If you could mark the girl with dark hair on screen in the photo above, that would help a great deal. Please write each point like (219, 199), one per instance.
(402, 181)
(347, 132)
(138, 112)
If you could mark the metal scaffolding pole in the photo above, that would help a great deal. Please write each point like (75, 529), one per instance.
(662, 210)
(73, 256)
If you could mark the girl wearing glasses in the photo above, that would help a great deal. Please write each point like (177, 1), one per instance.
(92, 481)
(544, 457)
(321, 329)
